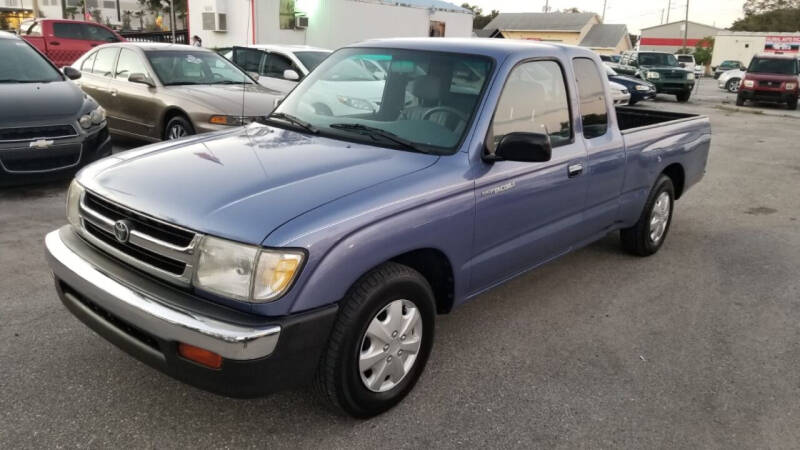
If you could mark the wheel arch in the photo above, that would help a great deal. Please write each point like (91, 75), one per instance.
(677, 174)
(435, 266)
(169, 113)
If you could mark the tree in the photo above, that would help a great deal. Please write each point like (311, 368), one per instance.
(96, 16)
(762, 6)
(704, 50)
(70, 12)
(479, 21)
(126, 20)
(787, 20)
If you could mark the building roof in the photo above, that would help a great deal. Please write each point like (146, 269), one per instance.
(604, 36)
(540, 21)
(438, 5)
(679, 22)
(484, 33)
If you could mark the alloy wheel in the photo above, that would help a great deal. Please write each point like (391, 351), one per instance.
(659, 217)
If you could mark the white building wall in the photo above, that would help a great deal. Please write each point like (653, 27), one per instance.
(332, 23)
(737, 48)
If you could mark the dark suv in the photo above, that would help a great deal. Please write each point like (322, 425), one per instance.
(662, 70)
(771, 78)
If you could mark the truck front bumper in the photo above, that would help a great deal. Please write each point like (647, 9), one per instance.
(148, 320)
(673, 87)
(767, 95)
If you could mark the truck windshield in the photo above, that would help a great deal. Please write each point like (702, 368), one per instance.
(657, 59)
(783, 66)
(22, 64)
(408, 99)
(194, 67)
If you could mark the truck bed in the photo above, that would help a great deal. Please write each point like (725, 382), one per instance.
(633, 118)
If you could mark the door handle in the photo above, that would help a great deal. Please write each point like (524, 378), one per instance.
(573, 170)
(54, 43)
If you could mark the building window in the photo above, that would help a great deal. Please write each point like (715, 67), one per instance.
(286, 14)
(109, 5)
(11, 3)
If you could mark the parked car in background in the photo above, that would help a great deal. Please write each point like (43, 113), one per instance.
(48, 127)
(771, 77)
(661, 69)
(279, 67)
(164, 91)
(730, 80)
(687, 61)
(639, 89)
(619, 94)
(318, 247)
(64, 41)
(610, 58)
(726, 66)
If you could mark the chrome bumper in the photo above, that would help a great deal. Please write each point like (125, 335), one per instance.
(154, 315)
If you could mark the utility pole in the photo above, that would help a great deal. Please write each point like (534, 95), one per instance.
(604, 10)
(172, 16)
(547, 6)
(686, 25)
(662, 16)
(669, 6)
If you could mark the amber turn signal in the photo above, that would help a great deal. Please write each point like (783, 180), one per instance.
(200, 355)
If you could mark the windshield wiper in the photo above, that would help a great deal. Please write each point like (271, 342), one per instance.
(373, 131)
(294, 121)
(231, 82)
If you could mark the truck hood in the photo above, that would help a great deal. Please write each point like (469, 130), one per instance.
(40, 103)
(242, 184)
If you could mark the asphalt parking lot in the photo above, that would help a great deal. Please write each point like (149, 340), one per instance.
(695, 347)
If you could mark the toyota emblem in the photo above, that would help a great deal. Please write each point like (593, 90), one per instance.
(122, 231)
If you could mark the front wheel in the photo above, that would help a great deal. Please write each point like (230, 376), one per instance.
(683, 97)
(178, 127)
(647, 235)
(739, 100)
(733, 85)
(792, 104)
(380, 341)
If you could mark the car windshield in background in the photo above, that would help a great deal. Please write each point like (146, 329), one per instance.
(414, 100)
(784, 66)
(180, 68)
(657, 59)
(22, 64)
(311, 59)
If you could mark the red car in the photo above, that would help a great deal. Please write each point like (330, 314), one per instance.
(771, 78)
(64, 41)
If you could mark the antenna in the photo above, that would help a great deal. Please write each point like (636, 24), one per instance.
(244, 78)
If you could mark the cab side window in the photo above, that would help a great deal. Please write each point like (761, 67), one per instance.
(88, 63)
(277, 64)
(68, 30)
(591, 90)
(129, 62)
(95, 33)
(534, 100)
(104, 64)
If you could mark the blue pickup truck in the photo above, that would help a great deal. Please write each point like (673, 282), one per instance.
(319, 248)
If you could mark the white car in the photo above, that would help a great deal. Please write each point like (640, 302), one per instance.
(279, 67)
(619, 94)
(729, 80)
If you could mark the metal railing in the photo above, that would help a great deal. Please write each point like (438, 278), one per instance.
(181, 36)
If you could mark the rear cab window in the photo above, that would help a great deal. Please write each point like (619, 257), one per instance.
(591, 90)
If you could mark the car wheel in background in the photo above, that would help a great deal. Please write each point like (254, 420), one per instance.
(178, 127)
(380, 341)
(683, 96)
(733, 85)
(647, 235)
(739, 100)
(792, 104)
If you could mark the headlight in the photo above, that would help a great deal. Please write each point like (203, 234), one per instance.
(642, 87)
(74, 195)
(749, 83)
(690, 76)
(98, 116)
(791, 86)
(245, 272)
(233, 121)
(653, 75)
(356, 103)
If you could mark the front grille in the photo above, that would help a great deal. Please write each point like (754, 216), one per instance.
(674, 76)
(32, 133)
(159, 230)
(673, 85)
(150, 245)
(132, 331)
(769, 84)
(144, 255)
(32, 160)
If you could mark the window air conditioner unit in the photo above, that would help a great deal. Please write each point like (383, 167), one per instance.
(301, 22)
(213, 21)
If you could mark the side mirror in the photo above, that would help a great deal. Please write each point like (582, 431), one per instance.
(680, 64)
(141, 78)
(525, 147)
(71, 72)
(290, 75)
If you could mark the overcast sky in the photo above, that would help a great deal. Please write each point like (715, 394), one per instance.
(636, 14)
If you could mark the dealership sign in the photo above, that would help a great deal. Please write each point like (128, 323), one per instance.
(782, 44)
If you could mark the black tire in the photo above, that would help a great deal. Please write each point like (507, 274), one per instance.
(732, 85)
(739, 100)
(338, 380)
(792, 104)
(178, 123)
(636, 239)
(632, 102)
(683, 97)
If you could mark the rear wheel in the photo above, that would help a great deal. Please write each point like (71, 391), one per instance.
(733, 85)
(683, 97)
(647, 235)
(178, 127)
(380, 341)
